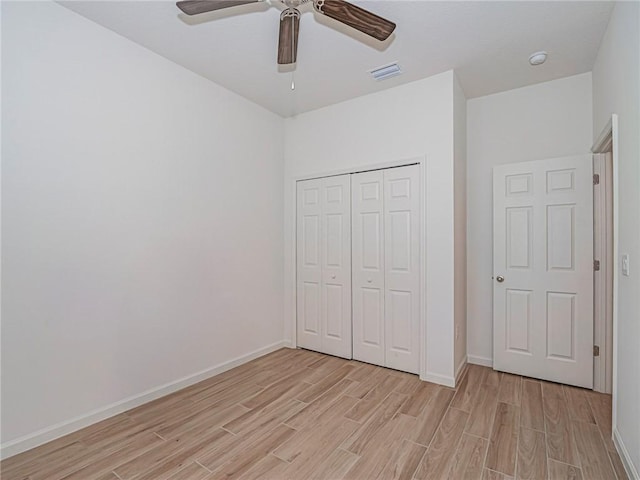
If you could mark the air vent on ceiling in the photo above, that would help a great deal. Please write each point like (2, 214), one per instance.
(386, 71)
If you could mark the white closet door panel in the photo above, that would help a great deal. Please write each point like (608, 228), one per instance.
(336, 266)
(309, 266)
(402, 268)
(367, 190)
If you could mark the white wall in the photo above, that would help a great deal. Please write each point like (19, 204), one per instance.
(616, 89)
(546, 120)
(460, 225)
(407, 122)
(141, 206)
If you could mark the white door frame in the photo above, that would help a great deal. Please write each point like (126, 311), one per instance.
(602, 287)
(421, 161)
(607, 141)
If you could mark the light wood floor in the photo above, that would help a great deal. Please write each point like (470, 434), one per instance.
(296, 414)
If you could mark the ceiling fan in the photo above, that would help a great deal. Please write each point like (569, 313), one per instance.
(340, 10)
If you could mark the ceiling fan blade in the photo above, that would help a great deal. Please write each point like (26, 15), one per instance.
(356, 17)
(288, 36)
(194, 7)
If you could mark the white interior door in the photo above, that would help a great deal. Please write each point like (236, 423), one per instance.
(309, 267)
(543, 269)
(367, 190)
(402, 268)
(386, 267)
(335, 311)
(324, 265)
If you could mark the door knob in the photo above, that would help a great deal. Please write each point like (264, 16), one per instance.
(333, 277)
(500, 278)
(368, 280)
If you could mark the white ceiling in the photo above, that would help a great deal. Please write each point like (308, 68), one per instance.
(487, 43)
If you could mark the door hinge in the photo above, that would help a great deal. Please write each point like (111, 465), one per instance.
(596, 265)
(596, 351)
(596, 179)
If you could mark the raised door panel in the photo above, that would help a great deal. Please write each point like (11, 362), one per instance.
(402, 268)
(518, 321)
(368, 267)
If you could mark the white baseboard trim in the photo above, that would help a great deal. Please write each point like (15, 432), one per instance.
(632, 471)
(47, 434)
(439, 379)
(478, 360)
(460, 371)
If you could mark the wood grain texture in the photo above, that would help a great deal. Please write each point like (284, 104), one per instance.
(247, 458)
(469, 459)
(419, 399)
(319, 405)
(365, 407)
(193, 471)
(493, 378)
(483, 411)
(532, 455)
(383, 448)
(404, 462)
(562, 471)
(579, 402)
(442, 452)
(593, 454)
(510, 389)
(531, 413)
(561, 443)
(618, 468)
(467, 390)
(358, 442)
(288, 38)
(295, 414)
(270, 467)
(501, 456)
(430, 418)
(493, 475)
(358, 18)
(601, 408)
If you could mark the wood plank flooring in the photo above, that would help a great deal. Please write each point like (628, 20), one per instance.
(300, 415)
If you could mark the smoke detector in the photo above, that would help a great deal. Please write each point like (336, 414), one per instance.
(538, 58)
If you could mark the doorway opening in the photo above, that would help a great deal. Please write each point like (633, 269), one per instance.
(604, 228)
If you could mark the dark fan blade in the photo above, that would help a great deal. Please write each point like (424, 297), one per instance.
(194, 7)
(356, 17)
(288, 37)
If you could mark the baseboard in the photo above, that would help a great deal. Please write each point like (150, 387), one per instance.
(460, 370)
(439, 379)
(632, 472)
(478, 360)
(45, 435)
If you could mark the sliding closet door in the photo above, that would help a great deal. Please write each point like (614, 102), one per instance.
(367, 191)
(335, 310)
(324, 265)
(309, 269)
(402, 268)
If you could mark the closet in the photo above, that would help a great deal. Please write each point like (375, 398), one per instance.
(358, 266)
(323, 284)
